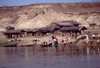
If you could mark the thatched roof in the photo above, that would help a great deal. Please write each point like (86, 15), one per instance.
(73, 22)
(32, 30)
(67, 23)
(92, 24)
(64, 24)
(14, 31)
(73, 28)
(49, 29)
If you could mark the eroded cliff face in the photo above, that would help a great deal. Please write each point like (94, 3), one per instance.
(41, 15)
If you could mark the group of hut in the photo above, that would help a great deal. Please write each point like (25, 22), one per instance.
(62, 27)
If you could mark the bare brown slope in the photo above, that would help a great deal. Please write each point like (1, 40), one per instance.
(41, 15)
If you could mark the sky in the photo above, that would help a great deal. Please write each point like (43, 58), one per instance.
(26, 2)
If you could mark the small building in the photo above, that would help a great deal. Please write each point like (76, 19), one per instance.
(32, 32)
(75, 29)
(46, 30)
(14, 33)
(10, 28)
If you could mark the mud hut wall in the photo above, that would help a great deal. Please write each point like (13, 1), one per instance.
(34, 33)
(18, 36)
(29, 33)
(55, 31)
(38, 33)
(22, 34)
(25, 33)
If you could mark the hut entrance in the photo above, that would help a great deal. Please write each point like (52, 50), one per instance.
(34, 34)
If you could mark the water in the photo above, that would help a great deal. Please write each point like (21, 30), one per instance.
(50, 57)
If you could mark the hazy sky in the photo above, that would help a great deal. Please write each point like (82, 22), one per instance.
(26, 2)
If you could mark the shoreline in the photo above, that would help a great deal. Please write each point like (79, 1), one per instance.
(29, 40)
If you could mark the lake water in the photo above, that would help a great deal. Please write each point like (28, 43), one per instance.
(50, 57)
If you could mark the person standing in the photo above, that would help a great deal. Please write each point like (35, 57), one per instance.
(35, 39)
(7, 35)
(75, 36)
(52, 36)
(13, 36)
(47, 34)
(81, 31)
(87, 38)
(93, 36)
(21, 44)
(56, 42)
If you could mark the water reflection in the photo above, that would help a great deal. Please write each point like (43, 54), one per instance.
(45, 56)
(24, 52)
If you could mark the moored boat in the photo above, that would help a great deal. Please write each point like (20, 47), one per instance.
(47, 45)
(12, 45)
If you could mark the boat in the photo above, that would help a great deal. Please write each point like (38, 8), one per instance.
(12, 45)
(47, 45)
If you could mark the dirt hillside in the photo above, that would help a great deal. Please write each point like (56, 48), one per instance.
(43, 14)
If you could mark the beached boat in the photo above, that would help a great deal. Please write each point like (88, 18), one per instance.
(47, 45)
(12, 45)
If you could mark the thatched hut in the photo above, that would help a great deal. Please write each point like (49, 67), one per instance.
(32, 32)
(46, 30)
(73, 29)
(10, 28)
(14, 33)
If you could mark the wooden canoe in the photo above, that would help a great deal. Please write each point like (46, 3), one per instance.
(47, 45)
(13, 45)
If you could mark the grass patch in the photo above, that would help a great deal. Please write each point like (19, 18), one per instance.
(5, 42)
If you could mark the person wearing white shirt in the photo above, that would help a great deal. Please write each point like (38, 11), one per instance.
(93, 36)
(87, 38)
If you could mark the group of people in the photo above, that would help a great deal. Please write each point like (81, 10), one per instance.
(73, 35)
(65, 40)
(52, 41)
(16, 39)
(93, 37)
